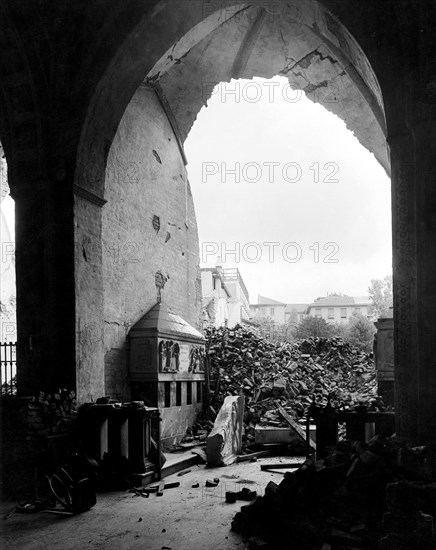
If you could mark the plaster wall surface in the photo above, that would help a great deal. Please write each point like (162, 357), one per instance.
(89, 301)
(149, 231)
(215, 299)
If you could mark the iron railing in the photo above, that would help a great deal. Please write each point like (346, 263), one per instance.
(8, 367)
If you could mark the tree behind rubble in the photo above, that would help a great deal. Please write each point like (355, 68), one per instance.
(380, 293)
(360, 332)
(274, 332)
(310, 327)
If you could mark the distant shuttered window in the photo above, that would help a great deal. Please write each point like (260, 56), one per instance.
(343, 312)
(271, 311)
(318, 312)
(331, 313)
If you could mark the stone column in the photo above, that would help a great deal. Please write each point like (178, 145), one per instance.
(45, 285)
(59, 289)
(424, 140)
(404, 284)
(413, 159)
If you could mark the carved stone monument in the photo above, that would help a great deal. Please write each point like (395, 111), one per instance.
(167, 369)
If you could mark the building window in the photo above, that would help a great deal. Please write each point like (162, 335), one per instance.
(318, 312)
(262, 311)
(343, 312)
(331, 313)
(357, 309)
(271, 311)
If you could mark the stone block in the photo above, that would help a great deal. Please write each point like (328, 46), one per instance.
(225, 440)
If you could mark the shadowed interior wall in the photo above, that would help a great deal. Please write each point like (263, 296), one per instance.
(149, 232)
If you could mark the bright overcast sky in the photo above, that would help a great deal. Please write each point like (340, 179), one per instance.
(342, 202)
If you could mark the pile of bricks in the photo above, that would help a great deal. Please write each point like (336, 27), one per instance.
(315, 369)
(379, 494)
(52, 413)
(27, 422)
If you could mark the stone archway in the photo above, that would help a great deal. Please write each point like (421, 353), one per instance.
(250, 42)
(172, 42)
(301, 41)
(58, 135)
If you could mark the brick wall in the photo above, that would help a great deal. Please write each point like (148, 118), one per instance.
(148, 226)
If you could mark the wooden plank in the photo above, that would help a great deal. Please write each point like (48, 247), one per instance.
(259, 454)
(293, 424)
(280, 465)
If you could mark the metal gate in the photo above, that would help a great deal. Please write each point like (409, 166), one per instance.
(8, 367)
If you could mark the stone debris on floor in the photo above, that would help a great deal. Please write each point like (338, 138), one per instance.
(191, 516)
(376, 495)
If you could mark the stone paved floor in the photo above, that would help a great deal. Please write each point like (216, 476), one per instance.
(182, 519)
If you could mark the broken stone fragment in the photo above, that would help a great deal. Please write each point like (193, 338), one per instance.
(211, 483)
(245, 494)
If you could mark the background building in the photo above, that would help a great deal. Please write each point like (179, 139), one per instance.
(225, 297)
(239, 302)
(338, 308)
(266, 308)
(215, 297)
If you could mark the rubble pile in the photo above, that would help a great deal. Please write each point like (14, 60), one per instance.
(51, 413)
(375, 495)
(314, 369)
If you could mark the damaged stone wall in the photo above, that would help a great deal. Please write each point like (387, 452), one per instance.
(301, 41)
(150, 240)
(88, 300)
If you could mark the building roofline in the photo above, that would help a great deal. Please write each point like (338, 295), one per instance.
(355, 304)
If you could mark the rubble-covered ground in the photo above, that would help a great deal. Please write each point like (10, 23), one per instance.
(314, 369)
(379, 495)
